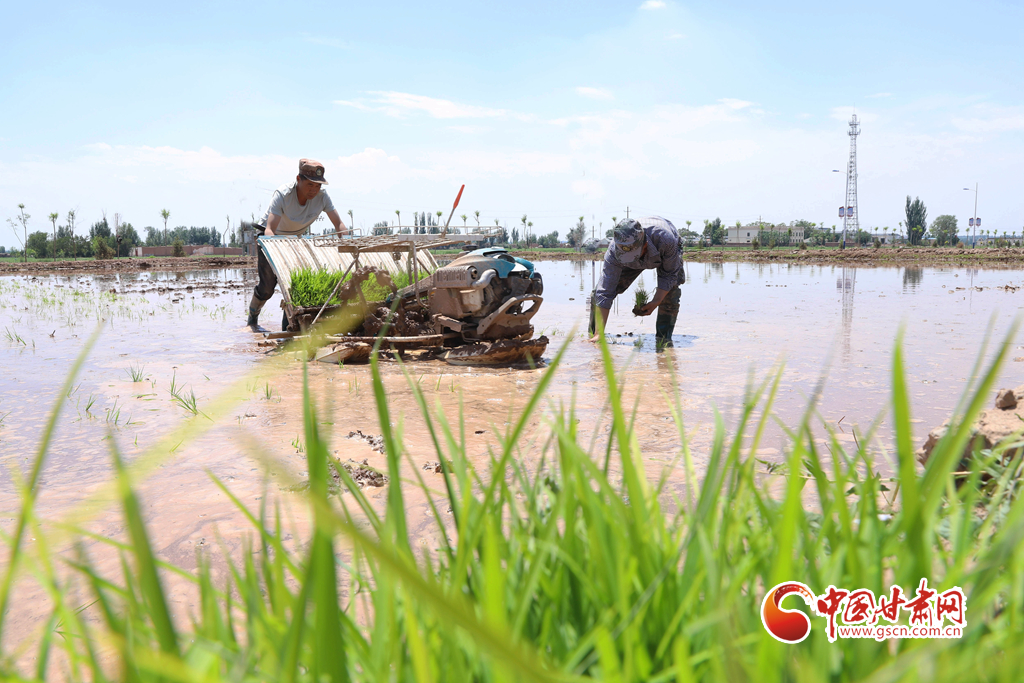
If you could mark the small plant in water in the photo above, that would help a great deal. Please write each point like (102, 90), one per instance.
(136, 372)
(13, 337)
(188, 402)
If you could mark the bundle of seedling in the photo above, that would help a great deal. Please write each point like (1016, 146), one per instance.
(642, 296)
(311, 287)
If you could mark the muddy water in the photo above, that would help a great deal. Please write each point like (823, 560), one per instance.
(184, 332)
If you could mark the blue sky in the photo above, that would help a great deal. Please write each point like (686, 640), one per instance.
(688, 109)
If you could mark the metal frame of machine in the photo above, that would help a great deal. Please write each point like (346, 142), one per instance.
(456, 291)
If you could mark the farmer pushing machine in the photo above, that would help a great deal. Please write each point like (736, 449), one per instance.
(387, 289)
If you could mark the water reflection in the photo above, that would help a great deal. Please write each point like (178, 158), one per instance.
(846, 284)
(713, 269)
(912, 277)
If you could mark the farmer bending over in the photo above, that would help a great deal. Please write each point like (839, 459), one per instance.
(639, 245)
(293, 208)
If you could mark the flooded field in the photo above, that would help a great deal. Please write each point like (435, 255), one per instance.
(172, 345)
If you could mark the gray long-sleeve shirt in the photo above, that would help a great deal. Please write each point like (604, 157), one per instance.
(662, 253)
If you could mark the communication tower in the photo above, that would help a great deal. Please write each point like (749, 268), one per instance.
(850, 212)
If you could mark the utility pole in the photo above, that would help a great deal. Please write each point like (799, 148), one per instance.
(627, 212)
(975, 222)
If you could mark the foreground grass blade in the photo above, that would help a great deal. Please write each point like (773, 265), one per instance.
(31, 490)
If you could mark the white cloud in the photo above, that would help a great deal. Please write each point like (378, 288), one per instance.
(652, 4)
(398, 104)
(471, 130)
(735, 104)
(880, 94)
(595, 93)
(990, 119)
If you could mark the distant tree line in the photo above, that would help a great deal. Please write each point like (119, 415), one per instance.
(191, 235)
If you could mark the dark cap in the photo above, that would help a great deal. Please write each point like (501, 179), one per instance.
(312, 170)
(629, 240)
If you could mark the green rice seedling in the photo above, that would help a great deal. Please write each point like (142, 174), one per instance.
(13, 336)
(268, 391)
(89, 403)
(549, 567)
(188, 402)
(114, 413)
(311, 287)
(136, 372)
(174, 389)
(641, 296)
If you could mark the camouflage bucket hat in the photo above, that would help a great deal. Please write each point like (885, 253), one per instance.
(629, 240)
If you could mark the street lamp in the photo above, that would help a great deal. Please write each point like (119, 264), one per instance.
(975, 223)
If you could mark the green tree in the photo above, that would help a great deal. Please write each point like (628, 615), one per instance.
(714, 232)
(476, 214)
(917, 220)
(129, 238)
(53, 219)
(577, 234)
(165, 214)
(21, 220)
(36, 244)
(944, 230)
(71, 229)
(101, 248)
(548, 241)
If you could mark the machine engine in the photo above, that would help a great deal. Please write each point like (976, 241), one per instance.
(486, 294)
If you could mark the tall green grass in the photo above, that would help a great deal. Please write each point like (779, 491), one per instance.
(312, 287)
(568, 567)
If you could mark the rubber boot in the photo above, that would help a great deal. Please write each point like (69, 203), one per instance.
(664, 325)
(255, 306)
(284, 321)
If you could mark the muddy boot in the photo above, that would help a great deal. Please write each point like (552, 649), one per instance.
(284, 321)
(664, 325)
(253, 321)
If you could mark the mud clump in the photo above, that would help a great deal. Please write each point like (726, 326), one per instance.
(376, 442)
(408, 320)
(990, 429)
(362, 474)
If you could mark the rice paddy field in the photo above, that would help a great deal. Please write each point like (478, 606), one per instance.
(180, 503)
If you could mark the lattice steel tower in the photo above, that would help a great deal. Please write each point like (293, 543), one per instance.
(852, 221)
